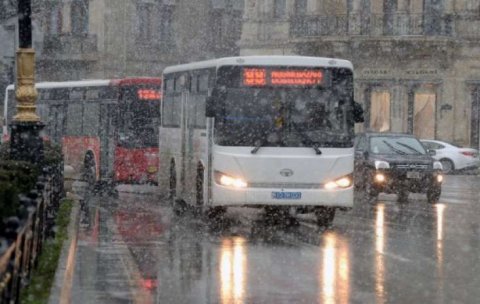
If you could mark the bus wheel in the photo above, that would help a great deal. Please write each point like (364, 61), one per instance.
(199, 193)
(325, 216)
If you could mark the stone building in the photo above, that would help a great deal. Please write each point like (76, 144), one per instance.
(80, 39)
(417, 62)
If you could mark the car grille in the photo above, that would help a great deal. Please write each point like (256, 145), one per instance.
(286, 185)
(411, 166)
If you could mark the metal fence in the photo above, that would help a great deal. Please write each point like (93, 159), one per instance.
(24, 236)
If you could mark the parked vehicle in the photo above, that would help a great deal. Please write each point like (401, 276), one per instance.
(453, 157)
(395, 163)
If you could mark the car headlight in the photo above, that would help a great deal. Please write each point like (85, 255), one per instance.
(343, 182)
(439, 178)
(380, 178)
(380, 164)
(437, 165)
(229, 181)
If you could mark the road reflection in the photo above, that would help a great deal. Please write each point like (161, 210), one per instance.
(334, 270)
(380, 231)
(233, 265)
(440, 215)
(187, 262)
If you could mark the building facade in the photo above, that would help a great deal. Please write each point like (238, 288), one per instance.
(417, 63)
(81, 39)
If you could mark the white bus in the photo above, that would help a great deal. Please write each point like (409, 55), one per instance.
(260, 131)
(108, 128)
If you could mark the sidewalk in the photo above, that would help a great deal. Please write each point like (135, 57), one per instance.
(62, 285)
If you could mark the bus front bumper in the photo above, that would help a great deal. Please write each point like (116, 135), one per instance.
(224, 196)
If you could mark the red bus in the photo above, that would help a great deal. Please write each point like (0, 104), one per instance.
(108, 129)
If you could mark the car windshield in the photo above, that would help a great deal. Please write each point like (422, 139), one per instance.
(396, 145)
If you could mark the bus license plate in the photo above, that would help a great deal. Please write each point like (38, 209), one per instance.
(287, 195)
(415, 175)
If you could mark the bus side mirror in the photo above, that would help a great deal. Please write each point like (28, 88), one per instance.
(358, 116)
(210, 109)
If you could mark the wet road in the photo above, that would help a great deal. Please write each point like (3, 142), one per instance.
(134, 250)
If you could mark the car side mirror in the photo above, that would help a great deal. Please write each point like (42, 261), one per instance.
(358, 113)
(432, 152)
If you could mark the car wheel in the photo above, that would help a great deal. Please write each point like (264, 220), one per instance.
(433, 195)
(447, 165)
(325, 216)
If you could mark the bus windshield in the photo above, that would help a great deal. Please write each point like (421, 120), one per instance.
(295, 116)
(139, 117)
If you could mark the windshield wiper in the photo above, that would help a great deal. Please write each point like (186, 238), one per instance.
(259, 144)
(393, 148)
(307, 138)
(409, 147)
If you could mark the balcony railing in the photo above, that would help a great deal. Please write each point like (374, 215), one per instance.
(70, 45)
(372, 25)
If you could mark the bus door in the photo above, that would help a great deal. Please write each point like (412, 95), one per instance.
(107, 138)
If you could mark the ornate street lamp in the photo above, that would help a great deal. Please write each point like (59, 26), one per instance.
(26, 143)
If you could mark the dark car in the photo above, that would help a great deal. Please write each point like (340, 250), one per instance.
(395, 163)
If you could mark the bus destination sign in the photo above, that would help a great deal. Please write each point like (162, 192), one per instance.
(149, 94)
(264, 77)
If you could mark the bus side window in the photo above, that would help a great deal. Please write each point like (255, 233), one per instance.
(194, 84)
(76, 94)
(12, 106)
(108, 93)
(203, 83)
(91, 119)
(172, 104)
(92, 94)
(56, 122)
(42, 111)
(59, 94)
(200, 119)
(180, 83)
(169, 85)
(74, 119)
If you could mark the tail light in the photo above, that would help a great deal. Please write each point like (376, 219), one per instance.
(469, 153)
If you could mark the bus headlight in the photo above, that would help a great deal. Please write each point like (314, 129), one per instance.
(343, 182)
(229, 181)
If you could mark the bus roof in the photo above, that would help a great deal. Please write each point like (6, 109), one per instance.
(262, 61)
(95, 83)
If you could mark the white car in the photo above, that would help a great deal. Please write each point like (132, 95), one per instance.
(453, 157)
